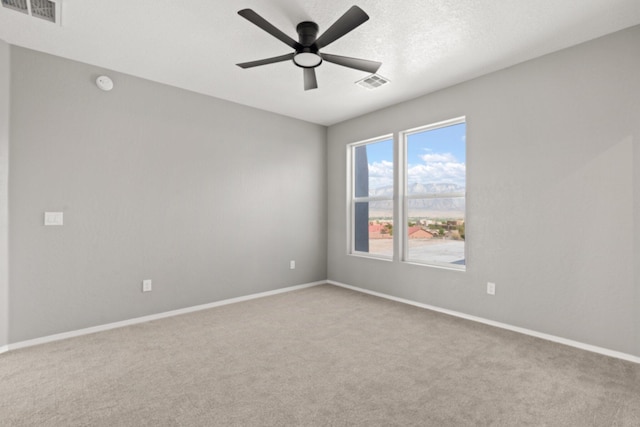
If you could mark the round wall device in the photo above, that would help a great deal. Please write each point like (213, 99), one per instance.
(104, 83)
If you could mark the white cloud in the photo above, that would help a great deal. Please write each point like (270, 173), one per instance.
(438, 168)
(380, 174)
(438, 158)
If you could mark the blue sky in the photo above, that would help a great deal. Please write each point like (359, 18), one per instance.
(447, 140)
(437, 155)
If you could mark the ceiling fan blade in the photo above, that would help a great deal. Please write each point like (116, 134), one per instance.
(258, 20)
(358, 64)
(352, 18)
(310, 81)
(266, 61)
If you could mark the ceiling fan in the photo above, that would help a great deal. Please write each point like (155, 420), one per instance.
(307, 53)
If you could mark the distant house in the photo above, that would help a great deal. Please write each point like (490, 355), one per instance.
(419, 233)
(375, 228)
(379, 231)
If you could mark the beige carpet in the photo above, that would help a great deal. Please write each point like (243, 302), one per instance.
(321, 356)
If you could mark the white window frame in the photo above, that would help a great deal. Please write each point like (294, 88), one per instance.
(352, 200)
(405, 197)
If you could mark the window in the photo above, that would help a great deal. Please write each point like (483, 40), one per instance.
(371, 208)
(434, 194)
(430, 207)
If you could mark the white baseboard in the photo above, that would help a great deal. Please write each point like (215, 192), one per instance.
(100, 328)
(106, 327)
(4, 349)
(560, 340)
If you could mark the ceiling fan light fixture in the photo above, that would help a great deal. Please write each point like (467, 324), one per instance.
(307, 59)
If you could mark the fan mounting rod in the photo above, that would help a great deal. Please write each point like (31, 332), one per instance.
(307, 57)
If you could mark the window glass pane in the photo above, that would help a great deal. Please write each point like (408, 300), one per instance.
(373, 227)
(361, 227)
(381, 228)
(373, 169)
(436, 160)
(373, 178)
(436, 230)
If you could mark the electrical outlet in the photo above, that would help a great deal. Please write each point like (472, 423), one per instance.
(292, 264)
(53, 218)
(491, 288)
(146, 285)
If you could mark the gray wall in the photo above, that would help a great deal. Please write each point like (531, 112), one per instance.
(207, 198)
(4, 192)
(552, 208)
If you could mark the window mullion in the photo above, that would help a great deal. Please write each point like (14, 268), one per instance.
(436, 196)
(398, 194)
(372, 199)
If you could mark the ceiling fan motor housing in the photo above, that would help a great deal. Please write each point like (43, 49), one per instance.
(307, 33)
(307, 57)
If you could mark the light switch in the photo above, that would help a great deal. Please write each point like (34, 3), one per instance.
(53, 218)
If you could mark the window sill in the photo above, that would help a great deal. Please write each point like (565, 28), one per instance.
(461, 268)
(369, 256)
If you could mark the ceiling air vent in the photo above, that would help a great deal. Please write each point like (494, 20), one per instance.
(48, 10)
(44, 9)
(19, 5)
(373, 81)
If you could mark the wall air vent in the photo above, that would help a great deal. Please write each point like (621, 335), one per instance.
(48, 10)
(373, 81)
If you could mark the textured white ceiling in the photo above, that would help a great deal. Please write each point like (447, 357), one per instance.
(424, 45)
